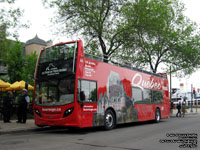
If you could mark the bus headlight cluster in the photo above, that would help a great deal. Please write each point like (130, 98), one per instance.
(68, 112)
(38, 112)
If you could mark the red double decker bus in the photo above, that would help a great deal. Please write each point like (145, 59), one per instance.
(76, 89)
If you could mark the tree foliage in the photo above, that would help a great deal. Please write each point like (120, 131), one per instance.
(29, 68)
(9, 19)
(97, 21)
(159, 34)
(3, 40)
(148, 33)
(20, 68)
(11, 51)
(15, 61)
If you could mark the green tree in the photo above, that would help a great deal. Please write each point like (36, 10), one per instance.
(15, 61)
(3, 41)
(148, 33)
(9, 19)
(96, 20)
(159, 34)
(29, 68)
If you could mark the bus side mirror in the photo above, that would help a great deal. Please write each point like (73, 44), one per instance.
(82, 105)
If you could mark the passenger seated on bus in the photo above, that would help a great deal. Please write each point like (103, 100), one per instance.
(82, 96)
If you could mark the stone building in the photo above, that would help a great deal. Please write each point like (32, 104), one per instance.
(34, 45)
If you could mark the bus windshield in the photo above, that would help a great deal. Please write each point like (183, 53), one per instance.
(55, 92)
(58, 52)
(55, 76)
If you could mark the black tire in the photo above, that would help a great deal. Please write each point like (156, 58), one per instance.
(157, 116)
(41, 126)
(109, 120)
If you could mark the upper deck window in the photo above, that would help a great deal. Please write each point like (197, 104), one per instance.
(58, 60)
(58, 52)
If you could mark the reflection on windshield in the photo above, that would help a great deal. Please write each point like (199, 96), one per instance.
(56, 92)
(58, 52)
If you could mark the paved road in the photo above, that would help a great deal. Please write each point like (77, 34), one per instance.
(136, 136)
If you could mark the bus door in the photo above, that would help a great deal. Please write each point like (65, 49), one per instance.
(87, 100)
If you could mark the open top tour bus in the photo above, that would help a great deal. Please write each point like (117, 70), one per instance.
(79, 90)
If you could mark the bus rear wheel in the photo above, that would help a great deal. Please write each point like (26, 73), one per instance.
(109, 120)
(157, 116)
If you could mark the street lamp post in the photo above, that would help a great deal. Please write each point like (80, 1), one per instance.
(191, 98)
(170, 85)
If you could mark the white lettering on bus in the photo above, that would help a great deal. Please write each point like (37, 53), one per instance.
(89, 108)
(138, 81)
(51, 109)
(93, 109)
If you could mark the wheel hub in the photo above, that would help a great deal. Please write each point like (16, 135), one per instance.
(109, 120)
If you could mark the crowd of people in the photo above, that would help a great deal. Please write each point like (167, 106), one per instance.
(23, 106)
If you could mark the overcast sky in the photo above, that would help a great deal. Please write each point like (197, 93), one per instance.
(39, 19)
(192, 9)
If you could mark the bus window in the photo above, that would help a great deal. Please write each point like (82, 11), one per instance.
(59, 52)
(66, 91)
(141, 96)
(147, 96)
(157, 97)
(87, 91)
(137, 94)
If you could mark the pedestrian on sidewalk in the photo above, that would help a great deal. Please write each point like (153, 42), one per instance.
(184, 107)
(178, 114)
(7, 107)
(23, 107)
(171, 107)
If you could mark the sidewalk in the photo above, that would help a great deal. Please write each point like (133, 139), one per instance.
(13, 127)
(188, 112)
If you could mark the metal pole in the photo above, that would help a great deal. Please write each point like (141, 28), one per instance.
(196, 104)
(191, 98)
(170, 75)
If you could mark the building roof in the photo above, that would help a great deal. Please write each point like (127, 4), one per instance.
(36, 40)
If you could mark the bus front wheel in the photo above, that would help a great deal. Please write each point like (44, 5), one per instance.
(109, 120)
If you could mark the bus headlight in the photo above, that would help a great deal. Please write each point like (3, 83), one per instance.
(68, 112)
(38, 112)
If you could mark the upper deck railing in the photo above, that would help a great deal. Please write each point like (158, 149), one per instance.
(125, 64)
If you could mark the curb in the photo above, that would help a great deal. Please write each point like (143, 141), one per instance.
(174, 115)
(24, 130)
(17, 131)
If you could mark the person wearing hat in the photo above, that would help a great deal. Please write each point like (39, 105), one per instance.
(23, 107)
